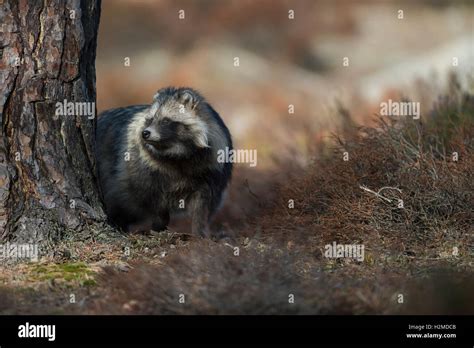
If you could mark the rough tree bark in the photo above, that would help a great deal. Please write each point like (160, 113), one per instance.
(47, 55)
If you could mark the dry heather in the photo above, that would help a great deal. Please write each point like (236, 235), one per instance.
(402, 193)
(402, 189)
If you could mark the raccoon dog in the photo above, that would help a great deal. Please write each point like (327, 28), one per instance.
(161, 159)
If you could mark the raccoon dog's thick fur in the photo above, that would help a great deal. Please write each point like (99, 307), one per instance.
(161, 159)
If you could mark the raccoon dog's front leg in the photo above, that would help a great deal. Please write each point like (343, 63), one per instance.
(200, 214)
(161, 221)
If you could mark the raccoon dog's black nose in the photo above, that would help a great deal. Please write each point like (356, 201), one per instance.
(146, 134)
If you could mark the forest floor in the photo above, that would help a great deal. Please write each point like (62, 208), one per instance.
(403, 189)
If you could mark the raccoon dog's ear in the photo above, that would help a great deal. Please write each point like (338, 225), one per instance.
(155, 104)
(188, 98)
(154, 108)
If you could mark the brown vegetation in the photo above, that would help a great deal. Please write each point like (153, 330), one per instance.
(422, 250)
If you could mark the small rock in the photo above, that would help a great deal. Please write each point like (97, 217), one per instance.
(66, 254)
(131, 305)
(123, 267)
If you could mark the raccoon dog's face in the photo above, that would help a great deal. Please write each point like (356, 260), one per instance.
(172, 126)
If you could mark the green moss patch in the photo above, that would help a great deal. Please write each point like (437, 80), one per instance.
(77, 273)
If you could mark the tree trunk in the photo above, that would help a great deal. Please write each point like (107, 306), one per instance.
(47, 183)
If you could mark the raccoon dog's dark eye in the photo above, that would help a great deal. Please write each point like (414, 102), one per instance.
(165, 121)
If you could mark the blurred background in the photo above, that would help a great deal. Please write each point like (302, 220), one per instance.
(289, 53)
